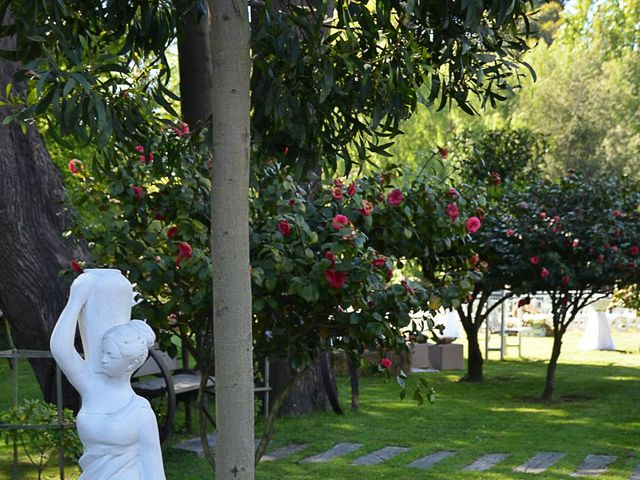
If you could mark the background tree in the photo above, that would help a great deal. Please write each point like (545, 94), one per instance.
(575, 239)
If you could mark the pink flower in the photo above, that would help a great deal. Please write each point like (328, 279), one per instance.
(385, 363)
(509, 233)
(336, 193)
(452, 211)
(616, 213)
(331, 257)
(351, 191)
(75, 166)
(534, 260)
(284, 228)
(634, 250)
(181, 129)
(472, 225)
(556, 218)
(139, 148)
(335, 279)
(75, 266)
(367, 208)
(339, 221)
(184, 252)
(395, 198)
(138, 192)
(338, 183)
(292, 202)
(474, 259)
(575, 242)
(379, 262)
(544, 273)
(452, 193)
(565, 279)
(172, 232)
(543, 214)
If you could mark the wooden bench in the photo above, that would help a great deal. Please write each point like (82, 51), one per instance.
(164, 382)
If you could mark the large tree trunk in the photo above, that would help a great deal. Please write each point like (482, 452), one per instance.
(306, 396)
(230, 240)
(32, 220)
(551, 368)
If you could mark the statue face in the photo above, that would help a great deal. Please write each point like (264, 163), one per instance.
(113, 363)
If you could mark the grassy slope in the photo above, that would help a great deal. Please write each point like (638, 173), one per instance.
(596, 412)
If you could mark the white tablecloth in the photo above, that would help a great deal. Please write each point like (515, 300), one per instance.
(597, 335)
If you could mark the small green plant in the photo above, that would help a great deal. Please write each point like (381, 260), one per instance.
(40, 445)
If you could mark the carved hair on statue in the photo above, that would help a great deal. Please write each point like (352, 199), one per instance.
(133, 339)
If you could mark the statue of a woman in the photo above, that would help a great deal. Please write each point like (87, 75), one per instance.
(117, 428)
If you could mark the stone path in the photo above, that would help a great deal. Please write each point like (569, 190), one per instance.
(380, 456)
(336, 451)
(430, 460)
(594, 465)
(540, 462)
(486, 462)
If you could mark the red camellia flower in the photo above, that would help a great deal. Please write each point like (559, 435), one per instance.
(292, 202)
(474, 259)
(386, 363)
(544, 273)
(565, 279)
(509, 233)
(284, 228)
(395, 197)
(452, 211)
(139, 148)
(137, 191)
(331, 257)
(443, 151)
(379, 262)
(184, 252)
(351, 191)
(634, 250)
(556, 218)
(75, 166)
(172, 231)
(543, 215)
(336, 193)
(367, 208)
(452, 193)
(339, 221)
(181, 129)
(534, 260)
(335, 279)
(472, 225)
(616, 213)
(75, 266)
(338, 183)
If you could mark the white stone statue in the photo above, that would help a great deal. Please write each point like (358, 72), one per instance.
(117, 428)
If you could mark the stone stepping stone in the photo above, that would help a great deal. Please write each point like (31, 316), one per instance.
(636, 474)
(430, 460)
(336, 451)
(540, 462)
(486, 462)
(380, 456)
(194, 445)
(594, 465)
(283, 452)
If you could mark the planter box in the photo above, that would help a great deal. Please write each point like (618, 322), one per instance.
(446, 357)
(420, 355)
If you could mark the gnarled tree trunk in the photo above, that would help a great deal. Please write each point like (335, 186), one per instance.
(32, 221)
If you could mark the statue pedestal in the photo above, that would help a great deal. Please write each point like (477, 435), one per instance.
(446, 357)
(420, 355)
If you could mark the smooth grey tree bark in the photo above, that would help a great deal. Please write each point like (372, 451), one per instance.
(230, 172)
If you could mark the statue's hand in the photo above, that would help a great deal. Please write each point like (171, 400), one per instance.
(80, 290)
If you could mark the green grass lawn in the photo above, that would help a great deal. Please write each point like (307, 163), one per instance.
(595, 412)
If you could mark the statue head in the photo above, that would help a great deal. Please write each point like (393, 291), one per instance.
(125, 347)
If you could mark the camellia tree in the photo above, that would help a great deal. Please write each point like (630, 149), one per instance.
(575, 239)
